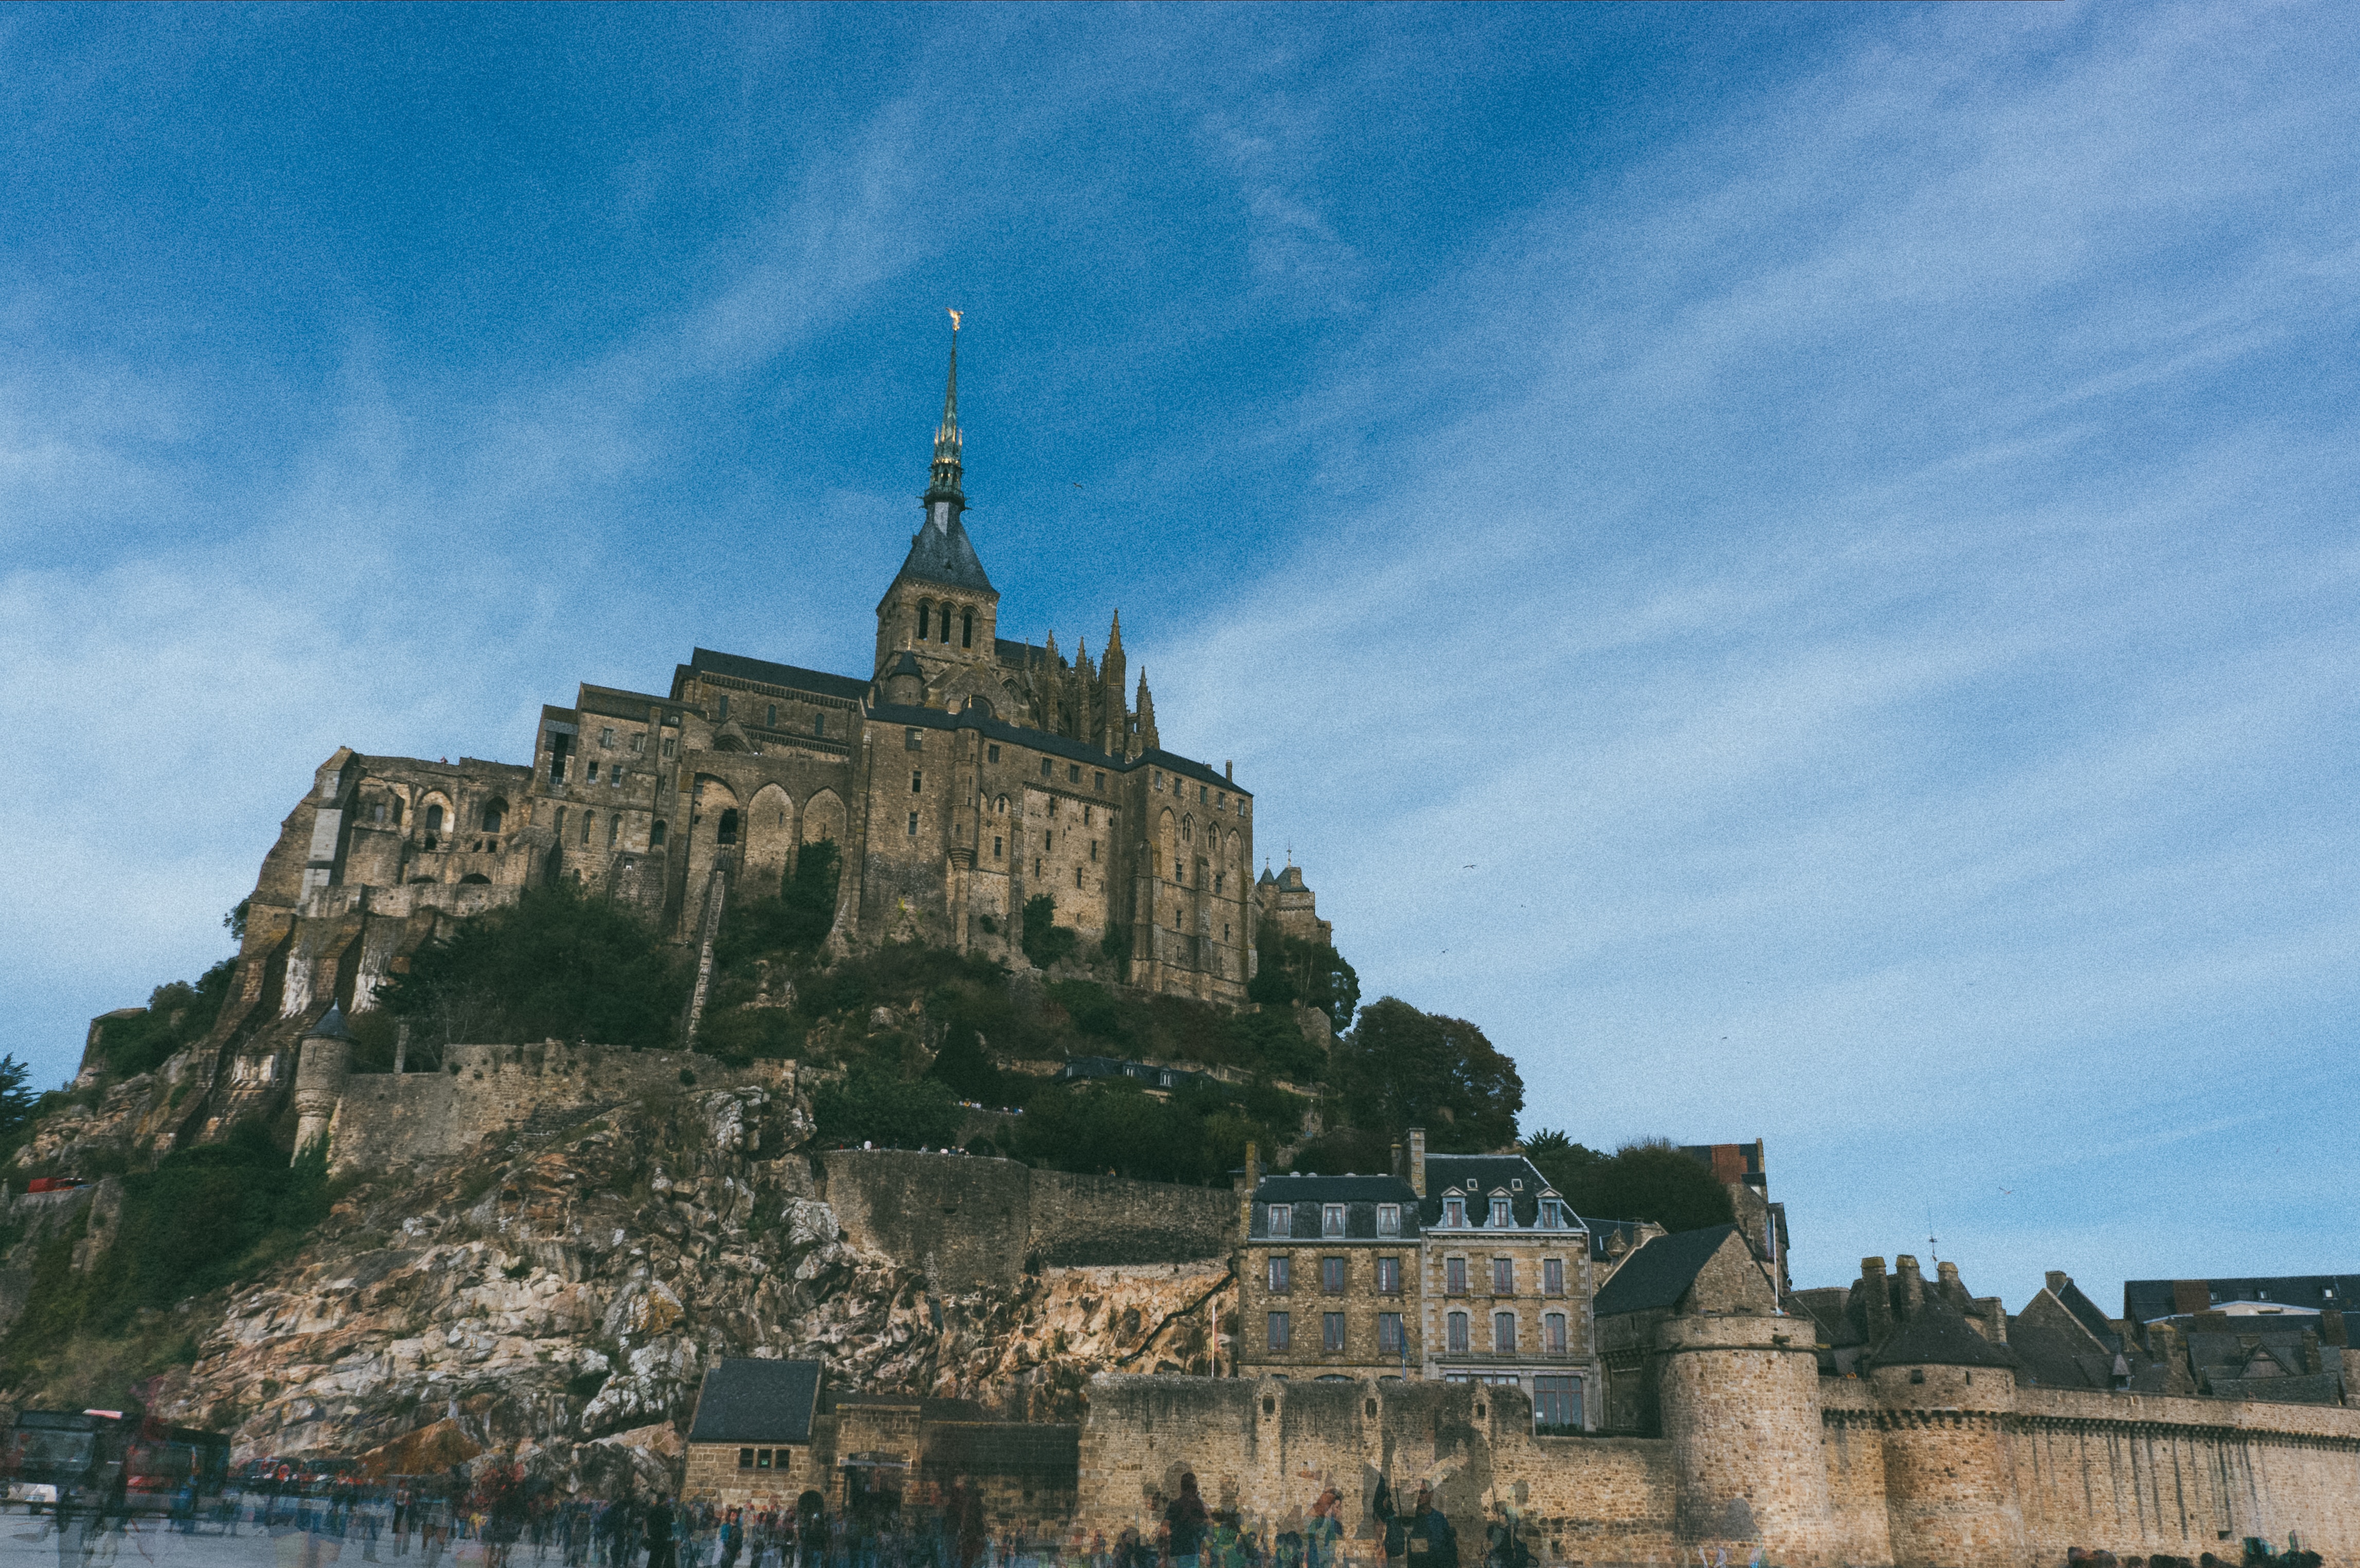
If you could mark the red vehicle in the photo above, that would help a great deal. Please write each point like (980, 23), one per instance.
(53, 1183)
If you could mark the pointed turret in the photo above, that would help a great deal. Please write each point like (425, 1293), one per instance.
(1115, 728)
(945, 490)
(1147, 739)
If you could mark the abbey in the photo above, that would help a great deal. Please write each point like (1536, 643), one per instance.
(963, 777)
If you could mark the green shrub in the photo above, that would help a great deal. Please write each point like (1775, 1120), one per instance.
(793, 920)
(1646, 1180)
(873, 1104)
(1092, 1008)
(178, 1015)
(1044, 942)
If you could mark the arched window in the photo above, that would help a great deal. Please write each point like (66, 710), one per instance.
(1187, 831)
(926, 618)
(966, 629)
(1503, 1333)
(947, 625)
(728, 833)
(613, 829)
(819, 723)
(656, 836)
(495, 812)
(435, 818)
(588, 818)
(1457, 1341)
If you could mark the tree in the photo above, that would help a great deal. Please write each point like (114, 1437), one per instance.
(1401, 1068)
(555, 964)
(1648, 1180)
(874, 1103)
(1045, 941)
(797, 920)
(1294, 969)
(16, 1101)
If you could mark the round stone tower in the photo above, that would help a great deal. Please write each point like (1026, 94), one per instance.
(1946, 1394)
(320, 1073)
(1741, 1405)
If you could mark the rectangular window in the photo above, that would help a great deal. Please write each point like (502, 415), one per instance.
(1281, 1275)
(1389, 1219)
(1553, 1333)
(606, 739)
(1094, 852)
(744, 1459)
(1552, 1214)
(725, 704)
(1331, 1331)
(1389, 1332)
(1332, 1276)
(1557, 1406)
(1282, 1219)
(819, 723)
(1332, 1219)
(670, 741)
(1098, 781)
(1503, 1333)
(917, 783)
(914, 740)
(763, 1460)
(773, 720)
(638, 743)
(594, 772)
(1045, 766)
(1073, 773)
(1553, 1276)
(1389, 1276)
(996, 846)
(1048, 842)
(1454, 1276)
(1203, 793)
(1458, 1339)
(1159, 780)
(1282, 1331)
(1504, 1276)
(913, 824)
(991, 754)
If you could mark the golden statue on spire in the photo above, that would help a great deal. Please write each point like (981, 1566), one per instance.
(954, 320)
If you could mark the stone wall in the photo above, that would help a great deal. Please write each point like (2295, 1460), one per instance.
(386, 1120)
(964, 1220)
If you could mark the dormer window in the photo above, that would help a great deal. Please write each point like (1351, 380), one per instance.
(1553, 1213)
(1454, 1210)
(1332, 1219)
(1500, 1212)
(1389, 1219)
(1282, 1219)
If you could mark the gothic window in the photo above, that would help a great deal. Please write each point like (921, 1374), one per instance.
(1503, 1333)
(1458, 1334)
(656, 836)
(1000, 807)
(435, 818)
(1188, 831)
(967, 628)
(1389, 1219)
(926, 618)
(728, 833)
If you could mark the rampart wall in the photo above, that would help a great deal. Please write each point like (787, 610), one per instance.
(966, 1221)
(1893, 1470)
(386, 1120)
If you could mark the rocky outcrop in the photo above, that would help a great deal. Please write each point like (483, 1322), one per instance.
(562, 1298)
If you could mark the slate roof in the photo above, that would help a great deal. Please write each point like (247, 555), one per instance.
(1073, 750)
(788, 676)
(745, 1401)
(1660, 1273)
(330, 1027)
(2144, 1301)
(2087, 1313)
(1154, 1077)
(1477, 1175)
(946, 555)
(1938, 1336)
(1360, 1194)
(2054, 1358)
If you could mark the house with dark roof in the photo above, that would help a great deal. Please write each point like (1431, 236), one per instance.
(1678, 1275)
(1454, 1268)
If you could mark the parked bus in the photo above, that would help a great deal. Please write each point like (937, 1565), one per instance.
(89, 1455)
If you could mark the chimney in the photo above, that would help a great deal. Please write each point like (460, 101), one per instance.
(1952, 1290)
(2058, 1280)
(1246, 1186)
(2310, 1357)
(1417, 1160)
(1397, 1166)
(1913, 1284)
(1229, 770)
(1876, 1301)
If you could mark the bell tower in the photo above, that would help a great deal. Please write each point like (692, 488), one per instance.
(941, 607)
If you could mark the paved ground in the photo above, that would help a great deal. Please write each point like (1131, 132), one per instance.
(26, 1543)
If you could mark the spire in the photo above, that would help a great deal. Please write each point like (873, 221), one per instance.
(1146, 707)
(946, 485)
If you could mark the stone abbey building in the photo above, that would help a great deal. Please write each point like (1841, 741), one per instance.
(964, 775)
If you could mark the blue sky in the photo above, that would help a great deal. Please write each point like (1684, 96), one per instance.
(1795, 564)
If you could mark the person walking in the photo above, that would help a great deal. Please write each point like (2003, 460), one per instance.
(1431, 1540)
(1185, 1524)
(663, 1551)
(1322, 1534)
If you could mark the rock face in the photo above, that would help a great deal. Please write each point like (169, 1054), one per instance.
(565, 1298)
